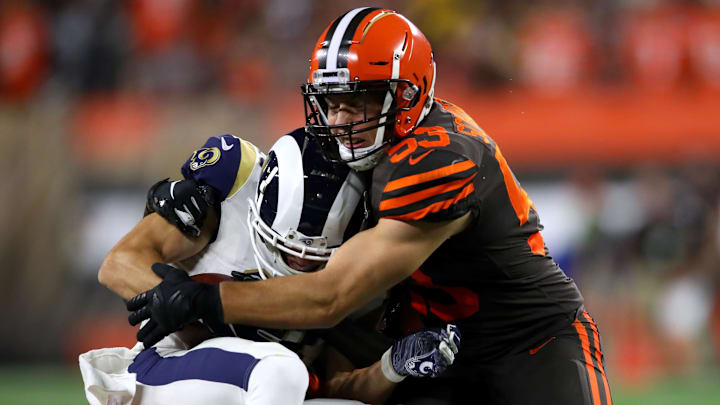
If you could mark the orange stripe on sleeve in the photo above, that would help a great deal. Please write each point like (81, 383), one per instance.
(519, 199)
(598, 356)
(588, 362)
(435, 207)
(408, 199)
(428, 176)
(537, 244)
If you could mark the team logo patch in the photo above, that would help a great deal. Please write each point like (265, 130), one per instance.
(204, 157)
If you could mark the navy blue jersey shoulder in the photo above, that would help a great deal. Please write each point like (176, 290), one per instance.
(216, 164)
(225, 162)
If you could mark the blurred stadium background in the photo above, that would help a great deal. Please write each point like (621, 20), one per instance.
(608, 112)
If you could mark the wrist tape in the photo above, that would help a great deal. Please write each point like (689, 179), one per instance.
(387, 368)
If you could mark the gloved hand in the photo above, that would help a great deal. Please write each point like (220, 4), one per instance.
(427, 353)
(172, 304)
(184, 203)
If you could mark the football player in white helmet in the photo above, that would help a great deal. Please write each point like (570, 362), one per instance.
(240, 213)
(454, 234)
(298, 217)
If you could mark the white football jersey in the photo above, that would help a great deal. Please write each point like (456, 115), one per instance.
(232, 166)
(221, 370)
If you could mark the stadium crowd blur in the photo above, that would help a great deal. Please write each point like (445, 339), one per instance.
(608, 111)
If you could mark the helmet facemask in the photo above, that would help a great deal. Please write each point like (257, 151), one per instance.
(303, 209)
(362, 49)
(337, 141)
(274, 252)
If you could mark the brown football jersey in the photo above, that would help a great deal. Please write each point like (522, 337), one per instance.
(496, 279)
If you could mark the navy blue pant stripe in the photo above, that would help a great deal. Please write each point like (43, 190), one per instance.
(208, 364)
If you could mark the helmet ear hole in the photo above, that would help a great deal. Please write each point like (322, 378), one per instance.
(407, 96)
(410, 93)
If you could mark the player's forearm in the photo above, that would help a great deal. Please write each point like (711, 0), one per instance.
(290, 302)
(367, 385)
(362, 268)
(126, 269)
(321, 299)
(126, 272)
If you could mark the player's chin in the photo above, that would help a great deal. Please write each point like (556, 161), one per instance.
(305, 268)
(359, 140)
(309, 269)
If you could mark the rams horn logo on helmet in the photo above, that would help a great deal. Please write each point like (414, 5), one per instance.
(204, 157)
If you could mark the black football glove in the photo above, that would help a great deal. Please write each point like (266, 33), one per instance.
(172, 304)
(183, 203)
(427, 353)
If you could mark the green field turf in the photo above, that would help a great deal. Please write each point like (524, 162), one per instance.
(54, 385)
(50, 385)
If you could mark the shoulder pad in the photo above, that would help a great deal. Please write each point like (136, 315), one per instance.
(224, 162)
(426, 184)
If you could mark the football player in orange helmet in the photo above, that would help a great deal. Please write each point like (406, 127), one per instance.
(389, 77)
(456, 238)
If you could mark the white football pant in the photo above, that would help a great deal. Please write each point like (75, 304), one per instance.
(225, 370)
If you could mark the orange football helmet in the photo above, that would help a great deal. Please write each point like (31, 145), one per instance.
(369, 51)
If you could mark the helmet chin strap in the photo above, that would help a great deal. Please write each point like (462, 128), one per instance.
(369, 155)
(364, 163)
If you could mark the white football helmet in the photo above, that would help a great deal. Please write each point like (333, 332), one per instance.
(304, 207)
